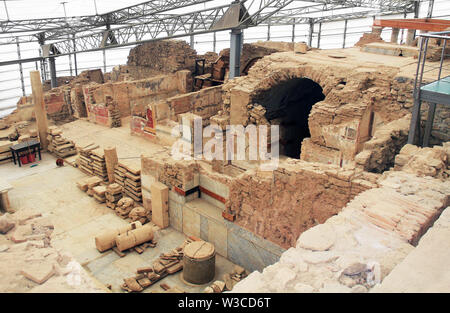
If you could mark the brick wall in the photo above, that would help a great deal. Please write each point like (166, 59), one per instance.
(280, 205)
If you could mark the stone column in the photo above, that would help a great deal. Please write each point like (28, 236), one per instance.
(39, 108)
(394, 35)
(410, 36)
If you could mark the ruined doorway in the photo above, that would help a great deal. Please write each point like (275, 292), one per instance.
(288, 105)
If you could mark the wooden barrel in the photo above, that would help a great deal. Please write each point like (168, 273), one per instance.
(199, 262)
(135, 237)
(107, 240)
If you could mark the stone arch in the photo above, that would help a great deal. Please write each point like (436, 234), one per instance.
(288, 105)
(287, 97)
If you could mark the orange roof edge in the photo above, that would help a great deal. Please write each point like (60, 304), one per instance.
(418, 24)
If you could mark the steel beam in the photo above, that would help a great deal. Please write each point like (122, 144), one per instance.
(137, 13)
(54, 82)
(235, 53)
(139, 18)
(345, 34)
(20, 68)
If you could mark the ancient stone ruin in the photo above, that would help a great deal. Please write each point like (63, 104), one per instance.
(345, 204)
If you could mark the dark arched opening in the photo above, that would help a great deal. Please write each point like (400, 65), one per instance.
(288, 104)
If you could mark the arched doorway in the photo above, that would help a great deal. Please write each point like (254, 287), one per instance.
(288, 104)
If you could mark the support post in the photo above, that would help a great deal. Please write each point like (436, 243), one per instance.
(104, 61)
(235, 52)
(268, 31)
(39, 108)
(414, 129)
(111, 161)
(214, 42)
(430, 8)
(410, 36)
(345, 34)
(293, 30)
(318, 35)
(20, 67)
(311, 30)
(54, 82)
(394, 35)
(75, 56)
(192, 43)
(70, 65)
(429, 124)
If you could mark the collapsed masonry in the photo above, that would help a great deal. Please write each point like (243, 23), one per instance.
(342, 123)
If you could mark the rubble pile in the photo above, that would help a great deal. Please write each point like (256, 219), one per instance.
(140, 214)
(87, 184)
(92, 161)
(128, 175)
(58, 145)
(99, 193)
(84, 160)
(167, 264)
(229, 280)
(30, 263)
(124, 207)
(113, 195)
(5, 152)
(368, 38)
(432, 162)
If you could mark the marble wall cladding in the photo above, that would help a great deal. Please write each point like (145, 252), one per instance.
(250, 251)
(214, 186)
(173, 196)
(204, 227)
(230, 240)
(176, 215)
(191, 222)
(213, 201)
(218, 235)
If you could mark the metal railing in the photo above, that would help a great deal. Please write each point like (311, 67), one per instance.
(433, 69)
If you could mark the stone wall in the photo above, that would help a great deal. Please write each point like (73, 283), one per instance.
(205, 103)
(132, 97)
(379, 152)
(56, 104)
(432, 162)
(359, 247)
(164, 56)
(280, 205)
(146, 100)
(358, 100)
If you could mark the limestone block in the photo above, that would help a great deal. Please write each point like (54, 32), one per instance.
(160, 204)
(39, 273)
(300, 47)
(238, 107)
(318, 238)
